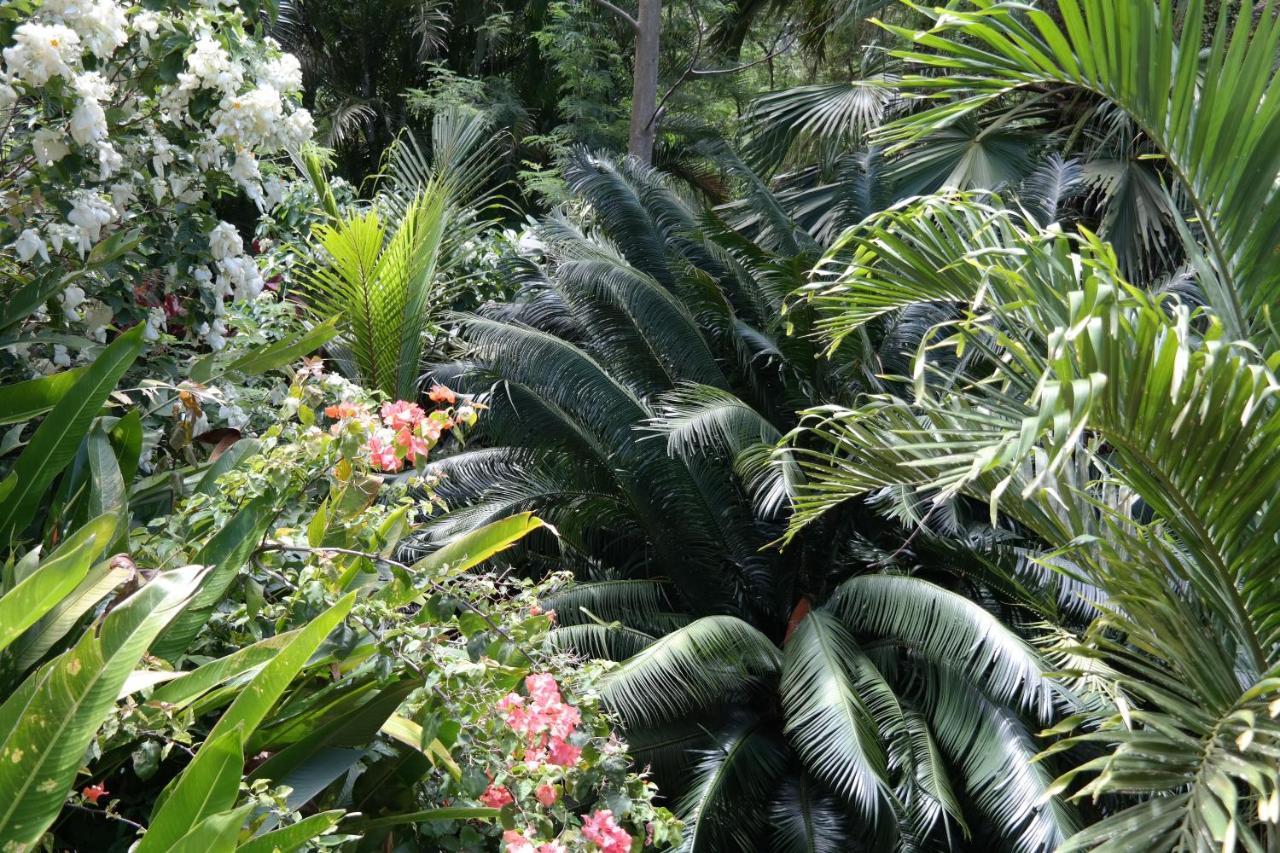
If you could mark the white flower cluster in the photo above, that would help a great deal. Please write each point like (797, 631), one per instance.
(71, 83)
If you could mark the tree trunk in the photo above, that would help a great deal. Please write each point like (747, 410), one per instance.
(644, 91)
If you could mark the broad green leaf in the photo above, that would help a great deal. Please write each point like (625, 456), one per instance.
(430, 815)
(409, 733)
(48, 722)
(226, 551)
(42, 590)
(107, 490)
(207, 786)
(191, 685)
(258, 696)
(274, 355)
(215, 834)
(292, 837)
(126, 438)
(22, 401)
(464, 553)
(54, 625)
(231, 457)
(55, 442)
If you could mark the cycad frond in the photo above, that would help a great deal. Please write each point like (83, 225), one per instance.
(828, 688)
(949, 629)
(725, 804)
(697, 667)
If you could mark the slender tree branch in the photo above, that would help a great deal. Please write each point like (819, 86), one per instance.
(693, 71)
(621, 13)
(378, 558)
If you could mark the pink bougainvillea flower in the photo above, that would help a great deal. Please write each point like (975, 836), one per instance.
(401, 415)
(413, 446)
(535, 610)
(430, 429)
(344, 410)
(547, 795)
(93, 793)
(552, 847)
(516, 842)
(441, 394)
(496, 796)
(382, 455)
(603, 831)
(563, 754)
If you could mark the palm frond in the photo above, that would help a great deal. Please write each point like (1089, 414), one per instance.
(949, 629)
(828, 688)
(696, 667)
(1145, 58)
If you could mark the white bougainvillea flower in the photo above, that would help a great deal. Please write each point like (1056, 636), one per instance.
(284, 73)
(89, 214)
(102, 27)
(225, 242)
(29, 244)
(71, 299)
(42, 51)
(89, 120)
(49, 146)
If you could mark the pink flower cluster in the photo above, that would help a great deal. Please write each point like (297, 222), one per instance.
(405, 432)
(545, 721)
(604, 832)
(518, 842)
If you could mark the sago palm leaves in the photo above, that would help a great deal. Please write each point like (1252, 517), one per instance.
(1140, 443)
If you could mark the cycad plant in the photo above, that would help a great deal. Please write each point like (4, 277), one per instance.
(639, 385)
(381, 283)
(1130, 437)
(385, 270)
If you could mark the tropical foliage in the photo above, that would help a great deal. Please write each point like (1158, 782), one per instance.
(883, 457)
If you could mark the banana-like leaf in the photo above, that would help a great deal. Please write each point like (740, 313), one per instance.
(23, 401)
(48, 722)
(206, 786)
(190, 686)
(215, 834)
(226, 551)
(462, 554)
(57, 576)
(294, 836)
(101, 580)
(257, 698)
(56, 440)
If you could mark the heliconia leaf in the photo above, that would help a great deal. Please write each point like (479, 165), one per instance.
(42, 590)
(226, 551)
(285, 351)
(429, 815)
(48, 722)
(189, 686)
(292, 837)
(207, 786)
(243, 449)
(56, 440)
(215, 833)
(106, 483)
(259, 695)
(54, 625)
(463, 553)
(22, 401)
